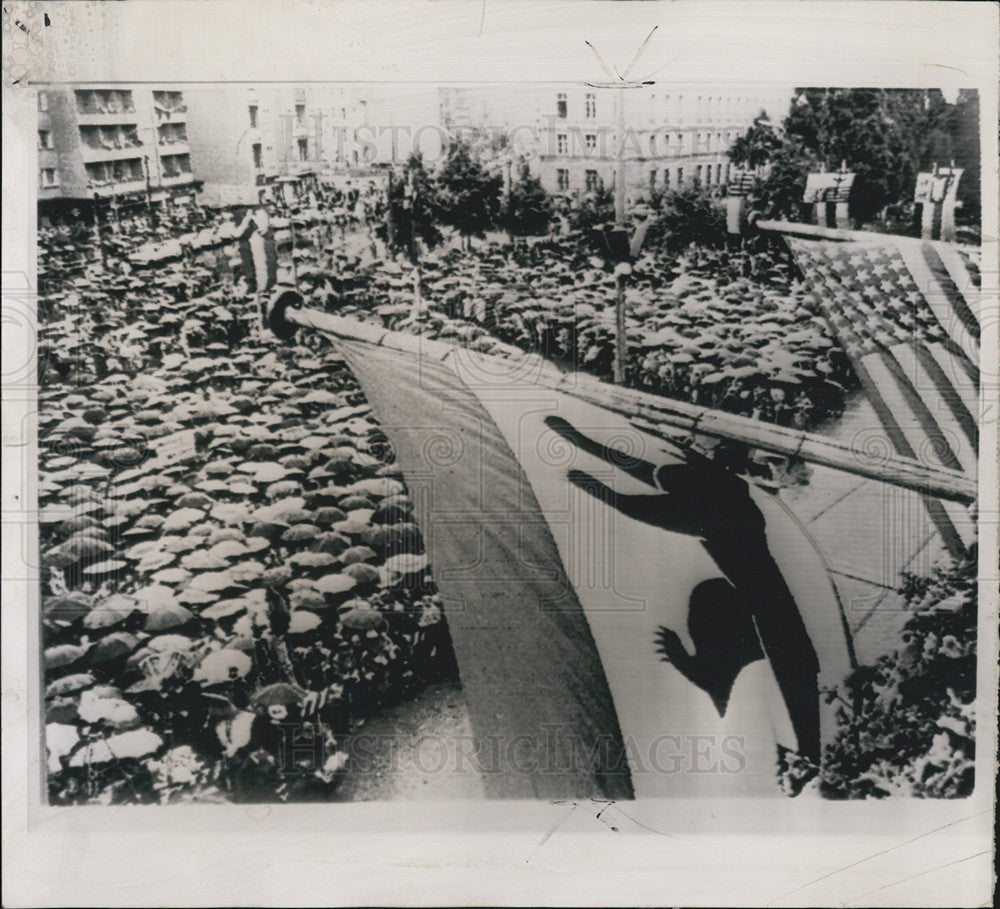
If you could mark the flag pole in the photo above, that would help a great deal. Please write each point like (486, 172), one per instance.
(650, 412)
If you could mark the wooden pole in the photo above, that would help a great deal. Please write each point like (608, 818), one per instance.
(650, 411)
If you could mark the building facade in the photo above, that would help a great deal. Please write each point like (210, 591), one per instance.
(112, 145)
(246, 138)
(671, 137)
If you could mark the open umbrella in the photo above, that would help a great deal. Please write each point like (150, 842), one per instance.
(279, 693)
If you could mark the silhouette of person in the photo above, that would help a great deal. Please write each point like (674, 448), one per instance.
(702, 499)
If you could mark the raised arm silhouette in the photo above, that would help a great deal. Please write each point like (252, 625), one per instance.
(702, 499)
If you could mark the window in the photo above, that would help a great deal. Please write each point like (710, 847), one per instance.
(666, 178)
(48, 176)
(303, 149)
(44, 138)
(258, 156)
(652, 179)
(561, 143)
(590, 140)
(252, 110)
(590, 106)
(680, 175)
(300, 115)
(652, 145)
(43, 101)
(561, 106)
(697, 174)
(593, 181)
(562, 178)
(718, 173)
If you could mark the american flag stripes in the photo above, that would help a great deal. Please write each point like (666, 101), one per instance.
(900, 310)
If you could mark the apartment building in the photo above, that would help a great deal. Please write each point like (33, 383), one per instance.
(672, 135)
(112, 145)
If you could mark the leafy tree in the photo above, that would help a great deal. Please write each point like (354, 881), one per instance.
(757, 145)
(689, 214)
(593, 210)
(415, 209)
(779, 193)
(884, 136)
(963, 128)
(906, 724)
(469, 194)
(529, 208)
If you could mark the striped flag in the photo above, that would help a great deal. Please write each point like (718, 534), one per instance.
(904, 311)
(258, 252)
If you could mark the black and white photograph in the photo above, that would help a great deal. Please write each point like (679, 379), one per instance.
(604, 435)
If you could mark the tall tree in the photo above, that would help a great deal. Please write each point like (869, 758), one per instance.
(529, 208)
(757, 145)
(414, 207)
(469, 194)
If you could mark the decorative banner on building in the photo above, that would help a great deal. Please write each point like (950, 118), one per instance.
(936, 187)
(828, 188)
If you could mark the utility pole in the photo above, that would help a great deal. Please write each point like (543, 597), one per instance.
(619, 82)
(621, 341)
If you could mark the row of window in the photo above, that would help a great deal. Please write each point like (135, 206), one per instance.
(659, 143)
(175, 165)
(591, 179)
(167, 104)
(172, 133)
(127, 170)
(108, 101)
(112, 137)
(705, 174)
(706, 108)
(589, 106)
(253, 113)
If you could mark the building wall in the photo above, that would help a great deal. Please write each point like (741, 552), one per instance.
(111, 141)
(317, 128)
(671, 137)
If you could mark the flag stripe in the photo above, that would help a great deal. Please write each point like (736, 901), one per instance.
(954, 296)
(939, 449)
(937, 380)
(951, 366)
(949, 535)
(937, 301)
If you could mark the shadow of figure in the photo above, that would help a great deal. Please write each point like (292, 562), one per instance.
(725, 640)
(699, 498)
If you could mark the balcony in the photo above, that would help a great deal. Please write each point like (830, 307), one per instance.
(176, 147)
(177, 179)
(91, 155)
(117, 188)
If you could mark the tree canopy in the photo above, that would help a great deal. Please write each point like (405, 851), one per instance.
(415, 209)
(885, 136)
(529, 208)
(469, 194)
